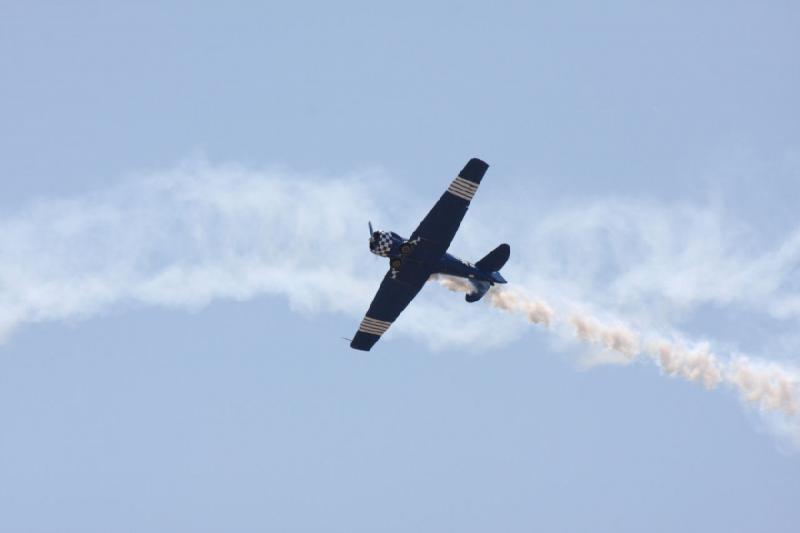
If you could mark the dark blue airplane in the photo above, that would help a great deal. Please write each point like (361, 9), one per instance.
(412, 261)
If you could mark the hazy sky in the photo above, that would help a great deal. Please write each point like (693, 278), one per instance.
(184, 191)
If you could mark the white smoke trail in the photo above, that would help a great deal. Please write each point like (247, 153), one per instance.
(197, 233)
(184, 238)
(616, 338)
(537, 312)
(767, 386)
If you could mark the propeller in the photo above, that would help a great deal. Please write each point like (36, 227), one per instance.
(370, 228)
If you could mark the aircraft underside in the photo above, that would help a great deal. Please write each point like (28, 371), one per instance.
(412, 261)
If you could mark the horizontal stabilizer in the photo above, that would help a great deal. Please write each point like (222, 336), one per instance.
(479, 288)
(495, 259)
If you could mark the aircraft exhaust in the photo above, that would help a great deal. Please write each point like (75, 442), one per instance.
(768, 386)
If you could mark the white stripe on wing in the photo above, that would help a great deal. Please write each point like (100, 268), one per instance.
(374, 326)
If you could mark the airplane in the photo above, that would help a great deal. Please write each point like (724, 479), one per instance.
(412, 261)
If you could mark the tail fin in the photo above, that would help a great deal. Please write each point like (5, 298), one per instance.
(490, 265)
(495, 259)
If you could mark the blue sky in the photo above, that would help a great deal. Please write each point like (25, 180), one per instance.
(184, 192)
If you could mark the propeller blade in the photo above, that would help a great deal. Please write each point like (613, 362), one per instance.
(370, 228)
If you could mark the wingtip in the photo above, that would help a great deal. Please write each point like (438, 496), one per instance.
(474, 170)
(360, 348)
(363, 341)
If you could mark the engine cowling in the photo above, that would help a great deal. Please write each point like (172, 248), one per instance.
(381, 243)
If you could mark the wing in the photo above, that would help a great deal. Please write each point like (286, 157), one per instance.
(393, 296)
(437, 229)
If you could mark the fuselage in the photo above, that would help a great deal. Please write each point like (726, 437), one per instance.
(388, 244)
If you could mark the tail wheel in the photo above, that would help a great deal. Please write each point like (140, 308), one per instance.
(406, 248)
(396, 263)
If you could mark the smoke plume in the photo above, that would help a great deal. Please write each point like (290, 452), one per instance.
(199, 233)
(767, 386)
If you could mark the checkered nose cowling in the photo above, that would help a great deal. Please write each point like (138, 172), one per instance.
(380, 243)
